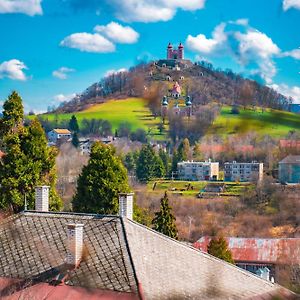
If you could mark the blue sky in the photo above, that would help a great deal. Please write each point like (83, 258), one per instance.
(52, 49)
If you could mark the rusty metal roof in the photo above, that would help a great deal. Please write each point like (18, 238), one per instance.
(259, 250)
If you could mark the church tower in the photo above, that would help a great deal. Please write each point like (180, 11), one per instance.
(180, 51)
(170, 51)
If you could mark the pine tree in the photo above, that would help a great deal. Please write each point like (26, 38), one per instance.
(144, 166)
(218, 247)
(149, 165)
(158, 167)
(73, 124)
(75, 140)
(13, 114)
(164, 220)
(28, 162)
(100, 182)
(165, 160)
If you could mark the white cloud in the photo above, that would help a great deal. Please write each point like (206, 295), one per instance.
(62, 73)
(288, 91)
(63, 98)
(88, 42)
(256, 42)
(251, 48)
(287, 4)
(28, 7)
(13, 69)
(293, 53)
(202, 44)
(118, 33)
(154, 10)
(110, 72)
(255, 46)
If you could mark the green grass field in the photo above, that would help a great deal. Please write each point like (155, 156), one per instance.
(131, 110)
(270, 122)
(180, 187)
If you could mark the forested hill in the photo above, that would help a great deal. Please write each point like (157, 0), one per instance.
(200, 80)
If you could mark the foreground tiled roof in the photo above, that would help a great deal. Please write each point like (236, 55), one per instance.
(33, 245)
(259, 250)
(120, 256)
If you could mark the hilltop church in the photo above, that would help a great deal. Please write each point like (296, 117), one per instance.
(175, 58)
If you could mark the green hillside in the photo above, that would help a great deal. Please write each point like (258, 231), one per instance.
(270, 122)
(131, 110)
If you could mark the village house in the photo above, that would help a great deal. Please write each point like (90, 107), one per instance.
(85, 146)
(196, 170)
(262, 257)
(244, 172)
(289, 169)
(56, 135)
(52, 255)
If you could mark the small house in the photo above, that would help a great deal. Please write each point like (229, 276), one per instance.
(59, 134)
(289, 169)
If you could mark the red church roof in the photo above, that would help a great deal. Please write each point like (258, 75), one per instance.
(259, 250)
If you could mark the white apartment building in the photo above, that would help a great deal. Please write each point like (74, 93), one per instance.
(250, 171)
(196, 170)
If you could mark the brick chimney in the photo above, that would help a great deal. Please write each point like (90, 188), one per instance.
(74, 244)
(42, 198)
(126, 205)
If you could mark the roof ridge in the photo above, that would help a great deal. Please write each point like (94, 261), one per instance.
(209, 256)
(34, 212)
(130, 257)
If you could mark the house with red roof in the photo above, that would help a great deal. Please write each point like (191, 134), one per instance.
(255, 254)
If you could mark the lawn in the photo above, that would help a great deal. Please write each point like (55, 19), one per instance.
(270, 122)
(180, 187)
(132, 110)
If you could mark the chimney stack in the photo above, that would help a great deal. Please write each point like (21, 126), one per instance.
(126, 205)
(42, 198)
(74, 244)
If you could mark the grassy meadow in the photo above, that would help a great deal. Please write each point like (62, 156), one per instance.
(132, 110)
(270, 122)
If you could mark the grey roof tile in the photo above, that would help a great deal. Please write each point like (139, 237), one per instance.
(120, 255)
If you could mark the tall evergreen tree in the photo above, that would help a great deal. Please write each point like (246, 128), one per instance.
(218, 247)
(165, 160)
(75, 140)
(144, 166)
(28, 161)
(13, 114)
(73, 124)
(149, 165)
(100, 182)
(164, 220)
(158, 167)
